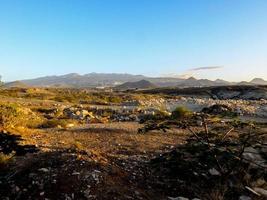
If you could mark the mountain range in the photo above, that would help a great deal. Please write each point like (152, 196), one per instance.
(114, 80)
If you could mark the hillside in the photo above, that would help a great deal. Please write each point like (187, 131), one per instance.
(15, 84)
(143, 84)
(193, 82)
(246, 92)
(258, 81)
(87, 80)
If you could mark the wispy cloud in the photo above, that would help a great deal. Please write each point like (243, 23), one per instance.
(182, 76)
(192, 72)
(205, 68)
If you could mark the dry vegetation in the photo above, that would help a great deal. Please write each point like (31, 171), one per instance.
(46, 154)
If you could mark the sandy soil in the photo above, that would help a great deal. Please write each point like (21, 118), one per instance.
(96, 161)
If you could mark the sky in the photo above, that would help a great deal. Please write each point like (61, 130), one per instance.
(224, 39)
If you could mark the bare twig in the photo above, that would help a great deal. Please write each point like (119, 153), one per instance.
(224, 136)
(194, 133)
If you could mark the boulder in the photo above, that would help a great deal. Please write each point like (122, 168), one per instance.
(243, 197)
(218, 109)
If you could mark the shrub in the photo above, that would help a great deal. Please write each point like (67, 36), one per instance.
(5, 158)
(13, 116)
(162, 114)
(181, 112)
(10, 116)
(53, 123)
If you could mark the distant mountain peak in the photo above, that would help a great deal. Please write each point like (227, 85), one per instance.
(221, 81)
(72, 75)
(258, 81)
(218, 80)
(191, 78)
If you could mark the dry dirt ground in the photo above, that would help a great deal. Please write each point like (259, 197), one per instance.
(96, 161)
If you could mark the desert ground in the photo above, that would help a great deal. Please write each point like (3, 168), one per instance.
(90, 144)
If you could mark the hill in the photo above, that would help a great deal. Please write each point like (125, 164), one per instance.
(246, 92)
(15, 84)
(143, 84)
(258, 81)
(193, 82)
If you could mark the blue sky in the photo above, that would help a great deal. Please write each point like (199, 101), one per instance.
(150, 37)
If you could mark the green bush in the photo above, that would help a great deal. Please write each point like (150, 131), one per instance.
(181, 112)
(161, 115)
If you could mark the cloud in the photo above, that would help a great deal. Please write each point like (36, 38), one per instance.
(191, 72)
(182, 76)
(205, 68)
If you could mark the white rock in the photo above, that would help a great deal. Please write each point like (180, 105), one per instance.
(214, 172)
(177, 198)
(244, 198)
(199, 123)
(260, 182)
(253, 155)
(69, 125)
(43, 170)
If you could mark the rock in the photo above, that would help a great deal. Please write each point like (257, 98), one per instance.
(43, 170)
(59, 126)
(69, 125)
(239, 111)
(84, 113)
(96, 176)
(260, 182)
(214, 172)
(244, 198)
(253, 155)
(87, 193)
(17, 189)
(31, 175)
(199, 123)
(217, 109)
(177, 198)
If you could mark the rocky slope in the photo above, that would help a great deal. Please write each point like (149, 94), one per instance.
(221, 92)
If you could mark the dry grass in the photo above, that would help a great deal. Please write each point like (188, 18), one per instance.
(106, 138)
(5, 158)
(116, 149)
